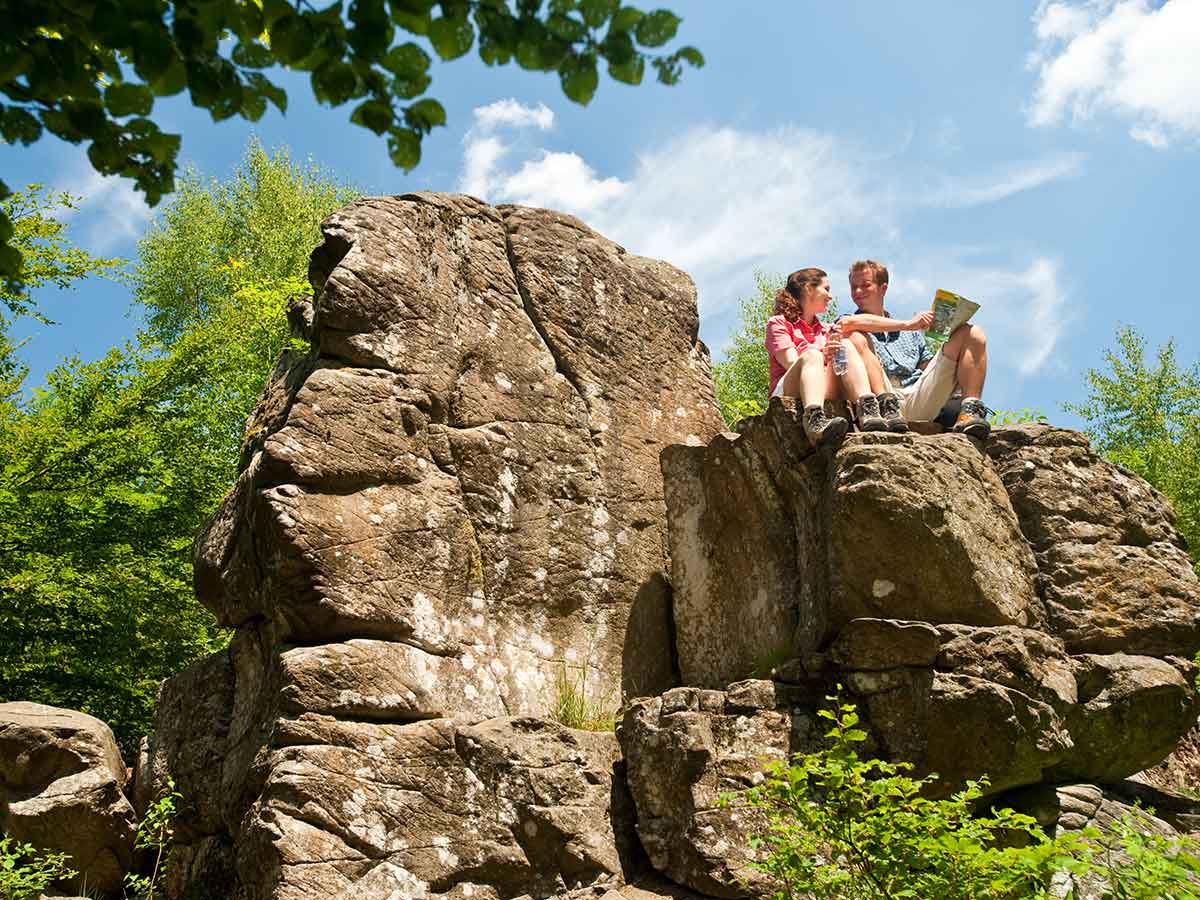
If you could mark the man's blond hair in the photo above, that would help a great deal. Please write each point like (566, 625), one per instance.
(879, 272)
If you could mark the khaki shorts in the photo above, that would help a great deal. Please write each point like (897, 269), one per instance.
(922, 400)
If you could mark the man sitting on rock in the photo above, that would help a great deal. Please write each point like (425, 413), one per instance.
(924, 382)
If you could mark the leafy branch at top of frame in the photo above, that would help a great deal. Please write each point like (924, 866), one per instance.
(91, 72)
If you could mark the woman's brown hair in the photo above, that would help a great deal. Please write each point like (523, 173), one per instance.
(789, 301)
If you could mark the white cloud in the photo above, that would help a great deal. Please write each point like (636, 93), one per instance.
(110, 210)
(978, 191)
(514, 114)
(721, 202)
(1125, 57)
(482, 150)
(1024, 308)
(561, 181)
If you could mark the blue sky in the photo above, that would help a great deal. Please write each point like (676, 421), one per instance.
(1038, 157)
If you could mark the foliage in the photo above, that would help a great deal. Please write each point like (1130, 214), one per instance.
(1026, 414)
(1146, 417)
(27, 873)
(843, 827)
(742, 379)
(92, 72)
(1137, 863)
(155, 835)
(573, 708)
(49, 258)
(108, 471)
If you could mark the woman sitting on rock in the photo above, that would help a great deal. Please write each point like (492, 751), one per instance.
(801, 348)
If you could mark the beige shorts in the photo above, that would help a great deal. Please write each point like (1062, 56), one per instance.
(922, 400)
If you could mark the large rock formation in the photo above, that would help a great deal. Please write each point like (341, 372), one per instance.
(61, 780)
(452, 511)
(448, 511)
(1020, 609)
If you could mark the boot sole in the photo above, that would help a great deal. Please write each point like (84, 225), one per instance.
(979, 430)
(833, 432)
(898, 427)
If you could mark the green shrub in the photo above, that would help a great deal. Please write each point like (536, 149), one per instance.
(843, 827)
(27, 872)
(839, 827)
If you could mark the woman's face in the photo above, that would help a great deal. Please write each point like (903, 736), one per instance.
(818, 299)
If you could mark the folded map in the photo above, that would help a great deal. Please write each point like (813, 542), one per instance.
(949, 311)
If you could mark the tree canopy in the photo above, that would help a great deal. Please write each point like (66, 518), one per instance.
(91, 71)
(108, 471)
(1146, 416)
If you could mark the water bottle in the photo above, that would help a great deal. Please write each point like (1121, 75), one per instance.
(839, 360)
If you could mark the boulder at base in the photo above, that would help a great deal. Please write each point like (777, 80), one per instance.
(61, 780)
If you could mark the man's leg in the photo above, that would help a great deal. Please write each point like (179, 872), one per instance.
(866, 352)
(968, 347)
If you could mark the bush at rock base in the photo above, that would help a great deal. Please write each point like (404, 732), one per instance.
(841, 827)
(26, 872)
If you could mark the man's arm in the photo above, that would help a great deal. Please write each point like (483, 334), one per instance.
(868, 322)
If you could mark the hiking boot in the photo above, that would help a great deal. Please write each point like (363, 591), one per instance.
(889, 408)
(822, 429)
(972, 419)
(869, 418)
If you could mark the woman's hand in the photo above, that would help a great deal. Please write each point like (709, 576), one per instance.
(920, 322)
(832, 342)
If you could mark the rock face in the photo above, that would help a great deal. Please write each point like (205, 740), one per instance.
(773, 546)
(61, 779)
(449, 509)
(686, 748)
(1020, 609)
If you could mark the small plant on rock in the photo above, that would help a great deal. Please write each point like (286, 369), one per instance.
(574, 708)
(155, 836)
(26, 872)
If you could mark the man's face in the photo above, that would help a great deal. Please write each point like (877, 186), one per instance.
(865, 292)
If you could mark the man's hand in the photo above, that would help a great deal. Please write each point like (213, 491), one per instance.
(920, 322)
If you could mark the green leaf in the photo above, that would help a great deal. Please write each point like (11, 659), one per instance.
(425, 115)
(291, 38)
(451, 38)
(626, 18)
(404, 147)
(579, 77)
(631, 72)
(125, 99)
(691, 55)
(408, 62)
(334, 83)
(264, 87)
(252, 55)
(566, 27)
(172, 79)
(374, 114)
(597, 12)
(656, 28)
(18, 126)
(153, 50)
(372, 32)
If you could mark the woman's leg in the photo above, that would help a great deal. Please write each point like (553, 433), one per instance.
(806, 378)
(811, 380)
